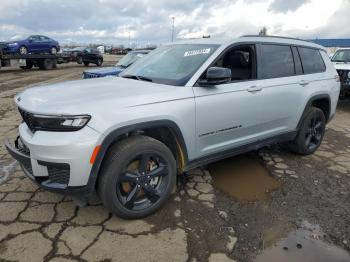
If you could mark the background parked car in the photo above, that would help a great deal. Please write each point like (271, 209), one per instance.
(32, 44)
(87, 55)
(123, 63)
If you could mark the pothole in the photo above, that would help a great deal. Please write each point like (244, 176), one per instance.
(243, 177)
(304, 245)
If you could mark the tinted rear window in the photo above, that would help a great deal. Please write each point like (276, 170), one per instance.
(277, 61)
(312, 60)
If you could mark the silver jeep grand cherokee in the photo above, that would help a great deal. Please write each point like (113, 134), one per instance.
(188, 104)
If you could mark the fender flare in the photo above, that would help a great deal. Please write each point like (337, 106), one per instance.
(113, 136)
(309, 104)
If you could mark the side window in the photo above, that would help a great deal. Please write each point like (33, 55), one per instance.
(241, 60)
(34, 38)
(44, 38)
(297, 61)
(312, 60)
(277, 61)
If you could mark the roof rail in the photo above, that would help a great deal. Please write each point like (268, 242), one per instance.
(274, 36)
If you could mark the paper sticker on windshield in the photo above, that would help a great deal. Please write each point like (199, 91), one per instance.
(197, 52)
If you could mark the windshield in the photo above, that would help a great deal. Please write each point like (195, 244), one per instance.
(342, 56)
(129, 59)
(171, 64)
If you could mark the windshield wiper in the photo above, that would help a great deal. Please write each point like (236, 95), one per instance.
(138, 78)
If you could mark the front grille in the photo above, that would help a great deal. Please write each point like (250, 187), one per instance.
(28, 118)
(90, 75)
(343, 75)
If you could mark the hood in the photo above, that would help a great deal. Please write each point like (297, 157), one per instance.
(342, 65)
(91, 95)
(105, 70)
(14, 42)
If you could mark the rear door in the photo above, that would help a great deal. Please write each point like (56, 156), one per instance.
(280, 77)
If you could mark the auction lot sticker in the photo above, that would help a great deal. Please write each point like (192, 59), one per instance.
(197, 52)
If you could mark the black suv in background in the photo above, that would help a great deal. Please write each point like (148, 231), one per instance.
(87, 55)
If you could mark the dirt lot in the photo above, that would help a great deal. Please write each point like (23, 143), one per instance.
(269, 205)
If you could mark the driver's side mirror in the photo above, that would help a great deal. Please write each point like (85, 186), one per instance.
(216, 76)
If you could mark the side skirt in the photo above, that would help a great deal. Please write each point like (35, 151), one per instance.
(239, 150)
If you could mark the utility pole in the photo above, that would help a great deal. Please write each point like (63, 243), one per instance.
(173, 27)
(129, 38)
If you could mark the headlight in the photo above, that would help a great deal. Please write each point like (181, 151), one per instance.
(349, 75)
(12, 44)
(62, 123)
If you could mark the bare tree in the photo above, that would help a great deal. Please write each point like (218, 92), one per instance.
(263, 31)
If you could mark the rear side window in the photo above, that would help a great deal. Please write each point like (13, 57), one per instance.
(311, 60)
(277, 61)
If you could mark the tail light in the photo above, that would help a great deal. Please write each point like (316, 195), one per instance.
(337, 78)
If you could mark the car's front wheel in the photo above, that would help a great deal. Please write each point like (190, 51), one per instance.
(99, 62)
(79, 60)
(23, 50)
(137, 177)
(310, 133)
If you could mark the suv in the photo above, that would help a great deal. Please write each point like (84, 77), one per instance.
(123, 63)
(88, 55)
(188, 104)
(341, 61)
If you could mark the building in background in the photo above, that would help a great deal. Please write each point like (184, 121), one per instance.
(332, 44)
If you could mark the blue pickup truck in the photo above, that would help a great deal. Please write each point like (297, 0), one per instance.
(125, 62)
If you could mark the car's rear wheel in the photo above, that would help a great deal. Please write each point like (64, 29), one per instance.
(137, 177)
(99, 62)
(23, 50)
(53, 51)
(311, 132)
(86, 63)
(47, 64)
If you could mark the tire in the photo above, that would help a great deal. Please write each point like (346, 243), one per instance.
(137, 177)
(28, 65)
(53, 51)
(23, 50)
(46, 64)
(79, 60)
(310, 133)
(99, 62)
(86, 63)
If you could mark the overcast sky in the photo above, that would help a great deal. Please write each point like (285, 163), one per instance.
(149, 21)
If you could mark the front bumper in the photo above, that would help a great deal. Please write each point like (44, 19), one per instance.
(56, 161)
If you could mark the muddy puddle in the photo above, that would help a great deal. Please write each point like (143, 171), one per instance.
(243, 177)
(303, 245)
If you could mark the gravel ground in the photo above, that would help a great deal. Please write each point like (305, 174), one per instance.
(200, 222)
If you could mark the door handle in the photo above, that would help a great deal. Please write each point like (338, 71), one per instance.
(254, 89)
(304, 83)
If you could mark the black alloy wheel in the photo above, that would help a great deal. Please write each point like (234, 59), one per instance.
(142, 186)
(311, 132)
(314, 134)
(137, 177)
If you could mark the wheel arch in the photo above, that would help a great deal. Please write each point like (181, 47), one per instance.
(159, 129)
(321, 101)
